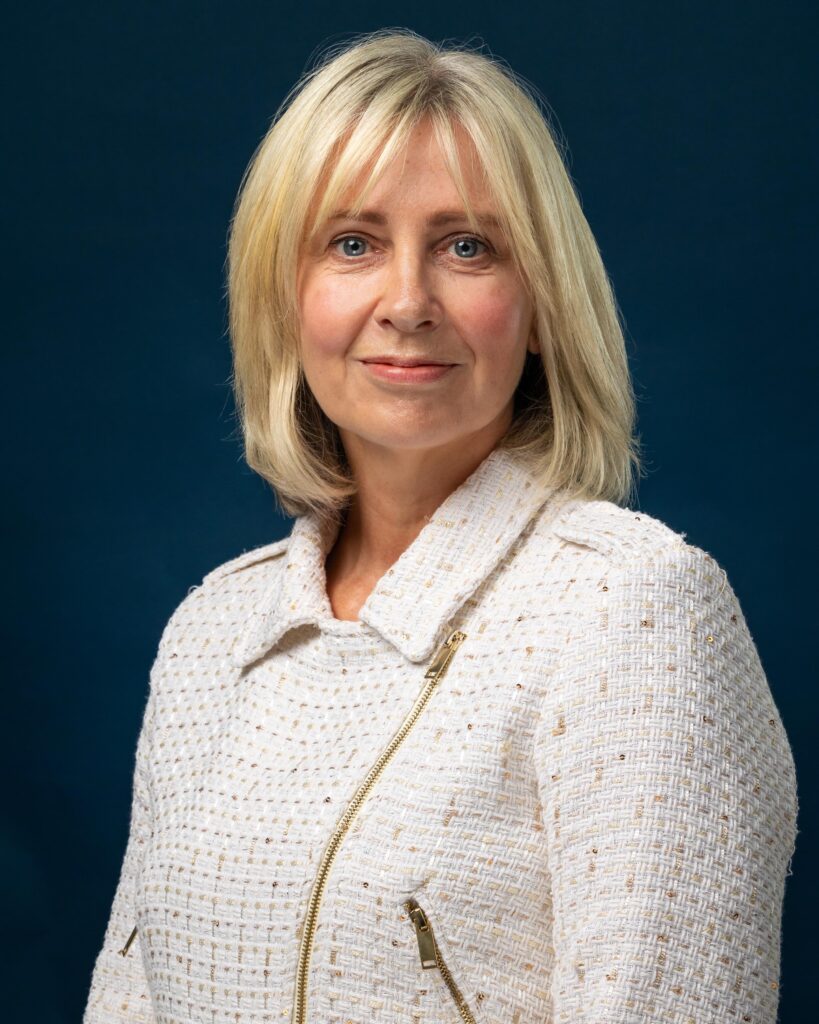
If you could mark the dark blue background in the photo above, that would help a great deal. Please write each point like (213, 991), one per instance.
(127, 127)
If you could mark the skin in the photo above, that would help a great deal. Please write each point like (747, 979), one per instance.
(406, 287)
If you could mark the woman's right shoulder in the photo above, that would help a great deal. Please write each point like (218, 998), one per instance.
(248, 558)
(231, 584)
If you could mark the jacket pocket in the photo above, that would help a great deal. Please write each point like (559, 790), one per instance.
(434, 956)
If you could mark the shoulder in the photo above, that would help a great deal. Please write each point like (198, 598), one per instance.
(636, 590)
(617, 533)
(643, 553)
(236, 580)
(233, 584)
(246, 559)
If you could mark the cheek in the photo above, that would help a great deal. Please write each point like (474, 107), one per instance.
(330, 316)
(494, 325)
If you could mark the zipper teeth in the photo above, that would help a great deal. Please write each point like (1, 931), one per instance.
(436, 669)
(463, 1006)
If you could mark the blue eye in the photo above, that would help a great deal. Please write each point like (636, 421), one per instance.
(467, 241)
(355, 246)
(355, 239)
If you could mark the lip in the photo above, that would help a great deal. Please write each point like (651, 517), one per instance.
(405, 361)
(407, 371)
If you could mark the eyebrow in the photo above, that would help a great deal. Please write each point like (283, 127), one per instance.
(438, 219)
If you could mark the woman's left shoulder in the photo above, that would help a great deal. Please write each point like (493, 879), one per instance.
(622, 536)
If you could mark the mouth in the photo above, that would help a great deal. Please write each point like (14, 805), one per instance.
(401, 361)
(407, 371)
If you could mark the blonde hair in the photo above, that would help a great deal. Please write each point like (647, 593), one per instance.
(574, 406)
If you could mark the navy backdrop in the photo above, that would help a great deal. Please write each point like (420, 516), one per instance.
(693, 145)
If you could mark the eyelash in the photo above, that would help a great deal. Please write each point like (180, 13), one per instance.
(457, 238)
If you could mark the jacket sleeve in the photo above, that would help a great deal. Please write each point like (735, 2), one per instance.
(119, 991)
(668, 794)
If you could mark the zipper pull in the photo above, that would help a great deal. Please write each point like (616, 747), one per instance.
(445, 653)
(423, 932)
(127, 946)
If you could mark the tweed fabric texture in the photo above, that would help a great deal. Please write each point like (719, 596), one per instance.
(596, 808)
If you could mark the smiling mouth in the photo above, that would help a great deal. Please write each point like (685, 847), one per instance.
(407, 371)
(406, 362)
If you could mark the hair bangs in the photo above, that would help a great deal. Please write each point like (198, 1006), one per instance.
(376, 138)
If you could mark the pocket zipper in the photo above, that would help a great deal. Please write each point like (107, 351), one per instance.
(430, 954)
(127, 946)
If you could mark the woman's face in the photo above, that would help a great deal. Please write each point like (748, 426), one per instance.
(408, 281)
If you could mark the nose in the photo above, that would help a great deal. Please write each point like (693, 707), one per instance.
(408, 301)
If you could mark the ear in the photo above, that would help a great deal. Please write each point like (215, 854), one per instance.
(533, 345)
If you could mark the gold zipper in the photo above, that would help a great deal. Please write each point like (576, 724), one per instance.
(127, 946)
(433, 674)
(431, 956)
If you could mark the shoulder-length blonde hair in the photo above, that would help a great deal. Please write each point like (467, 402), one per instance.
(574, 406)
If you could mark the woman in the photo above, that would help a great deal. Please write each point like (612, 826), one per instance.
(475, 741)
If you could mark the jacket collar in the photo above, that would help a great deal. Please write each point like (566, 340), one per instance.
(415, 599)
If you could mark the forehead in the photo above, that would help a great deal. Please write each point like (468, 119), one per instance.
(423, 157)
(419, 174)
(437, 218)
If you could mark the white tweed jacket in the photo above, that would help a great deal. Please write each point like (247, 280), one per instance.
(540, 780)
